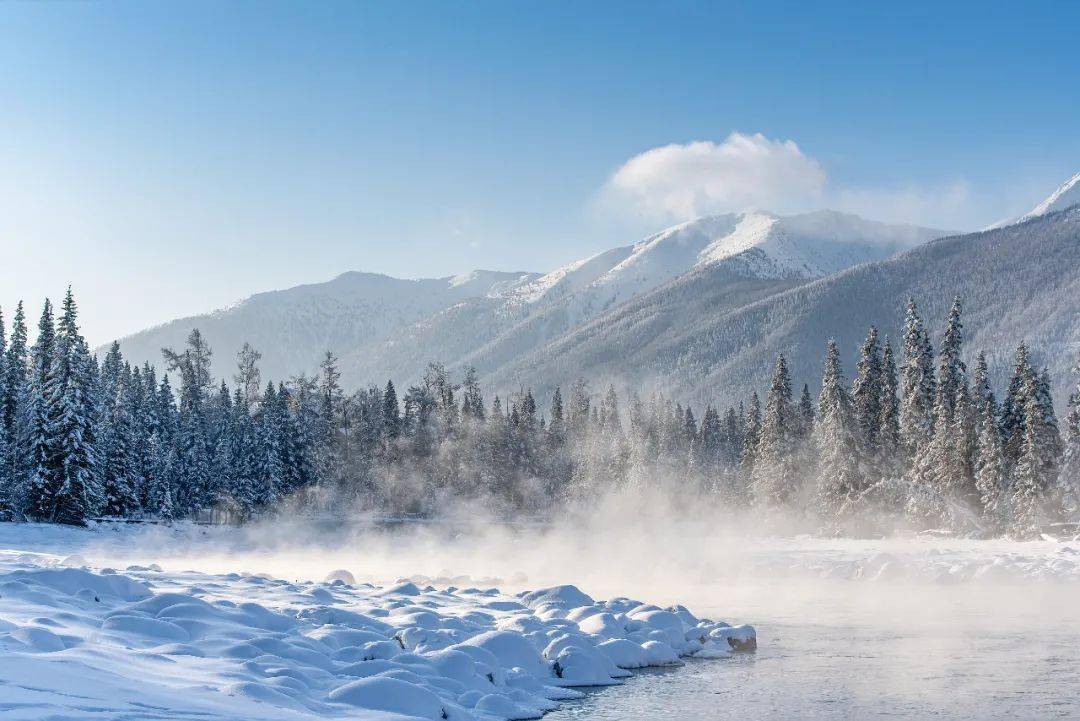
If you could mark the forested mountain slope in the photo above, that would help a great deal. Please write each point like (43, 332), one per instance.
(1017, 282)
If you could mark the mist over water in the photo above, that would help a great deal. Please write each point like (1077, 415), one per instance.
(847, 628)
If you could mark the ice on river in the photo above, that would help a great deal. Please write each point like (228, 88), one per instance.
(79, 639)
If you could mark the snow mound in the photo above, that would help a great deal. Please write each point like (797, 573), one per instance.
(243, 646)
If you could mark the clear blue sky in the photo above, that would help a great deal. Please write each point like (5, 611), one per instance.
(169, 158)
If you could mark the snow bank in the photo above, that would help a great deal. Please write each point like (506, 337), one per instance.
(144, 642)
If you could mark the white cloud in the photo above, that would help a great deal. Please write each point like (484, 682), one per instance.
(677, 182)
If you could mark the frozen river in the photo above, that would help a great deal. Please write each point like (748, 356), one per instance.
(851, 650)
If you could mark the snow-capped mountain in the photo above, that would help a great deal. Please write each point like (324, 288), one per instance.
(1064, 197)
(753, 244)
(704, 338)
(382, 326)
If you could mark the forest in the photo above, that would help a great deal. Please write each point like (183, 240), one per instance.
(914, 440)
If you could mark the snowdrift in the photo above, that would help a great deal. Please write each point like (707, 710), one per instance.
(144, 643)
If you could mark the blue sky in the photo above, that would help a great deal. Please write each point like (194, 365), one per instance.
(169, 158)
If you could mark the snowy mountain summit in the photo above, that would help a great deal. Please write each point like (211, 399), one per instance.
(755, 244)
(1064, 197)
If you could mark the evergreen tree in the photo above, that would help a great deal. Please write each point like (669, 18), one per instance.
(991, 472)
(751, 437)
(866, 394)
(15, 371)
(806, 414)
(73, 493)
(952, 374)
(1070, 471)
(557, 427)
(269, 469)
(391, 411)
(37, 451)
(982, 395)
(472, 399)
(1035, 475)
(840, 484)
(774, 479)
(1014, 405)
(888, 425)
(917, 383)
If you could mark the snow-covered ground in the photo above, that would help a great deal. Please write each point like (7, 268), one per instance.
(231, 623)
(79, 638)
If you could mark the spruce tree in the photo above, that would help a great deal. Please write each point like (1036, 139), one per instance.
(952, 374)
(1070, 469)
(888, 424)
(866, 392)
(991, 472)
(774, 480)
(73, 493)
(37, 446)
(840, 484)
(15, 371)
(917, 383)
(751, 437)
(557, 427)
(1034, 477)
(1013, 406)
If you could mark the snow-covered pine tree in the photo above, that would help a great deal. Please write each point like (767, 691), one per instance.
(733, 435)
(866, 394)
(557, 427)
(991, 473)
(195, 455)
(472, 398)
(74, 490)
(163, 477)
(982, 395)
(840, 484)
(1034, 480)
(751, 437)
(15, 372)
(937, 474)
(1013, 406)
(11, 387)
(952, 373)
(391, 411)
(578, 411)
(36, 441)
(269, 470)
(943, 487)
(1070, 467)
(917, 385)
(196, 488)
(6, 443)
(805, 414)
(120, 473)
(888, 423)
(774, 479)
(710, 447)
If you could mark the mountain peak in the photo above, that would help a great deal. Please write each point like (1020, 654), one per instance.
(1064, 197)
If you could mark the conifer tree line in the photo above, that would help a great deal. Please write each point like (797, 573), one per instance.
(914, 437)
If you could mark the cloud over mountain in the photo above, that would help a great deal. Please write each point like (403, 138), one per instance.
(676, 182)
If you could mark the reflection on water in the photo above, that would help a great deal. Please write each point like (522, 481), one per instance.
(849, 650)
